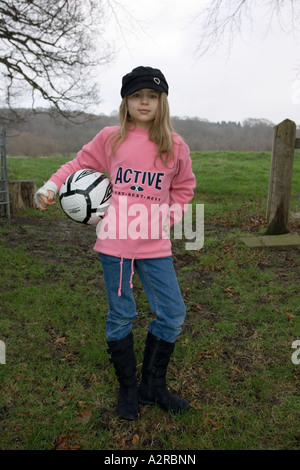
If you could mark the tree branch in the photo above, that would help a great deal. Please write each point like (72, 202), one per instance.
(221, 21)
(47, 46)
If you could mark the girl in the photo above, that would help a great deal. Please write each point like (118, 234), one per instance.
(150, 169)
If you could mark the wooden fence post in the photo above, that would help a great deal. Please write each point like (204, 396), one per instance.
(280, 182)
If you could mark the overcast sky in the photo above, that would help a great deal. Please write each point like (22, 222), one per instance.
(257, 79)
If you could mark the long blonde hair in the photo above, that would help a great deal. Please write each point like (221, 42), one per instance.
(160, 132)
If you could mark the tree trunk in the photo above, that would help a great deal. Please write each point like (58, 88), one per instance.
(21, 194)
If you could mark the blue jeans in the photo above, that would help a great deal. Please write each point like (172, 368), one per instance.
(159, 281)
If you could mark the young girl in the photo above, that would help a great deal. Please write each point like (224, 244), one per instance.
(150, 168)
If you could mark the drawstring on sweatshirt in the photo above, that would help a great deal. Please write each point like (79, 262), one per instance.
(132, 273)
(121, 275)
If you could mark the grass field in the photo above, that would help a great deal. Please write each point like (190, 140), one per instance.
(233, 360)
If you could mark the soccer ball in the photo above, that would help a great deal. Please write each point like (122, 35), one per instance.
(85, 196)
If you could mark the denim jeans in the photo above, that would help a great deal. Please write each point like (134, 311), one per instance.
(159, 281)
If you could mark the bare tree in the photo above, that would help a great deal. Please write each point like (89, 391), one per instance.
(221, 21)
(50, 48)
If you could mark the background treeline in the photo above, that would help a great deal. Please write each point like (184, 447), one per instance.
(45, 134)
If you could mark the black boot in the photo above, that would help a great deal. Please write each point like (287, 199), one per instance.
(153, 387)
(124, 361)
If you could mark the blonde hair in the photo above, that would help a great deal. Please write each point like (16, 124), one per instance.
(160, 132)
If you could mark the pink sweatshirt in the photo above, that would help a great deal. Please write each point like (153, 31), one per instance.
(143, 191)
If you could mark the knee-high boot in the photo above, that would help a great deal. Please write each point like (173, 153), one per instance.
(123, 358)
(153, 387)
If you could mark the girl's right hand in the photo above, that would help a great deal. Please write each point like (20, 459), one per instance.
(45, 201)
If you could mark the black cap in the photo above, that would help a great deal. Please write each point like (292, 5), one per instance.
(143, 77)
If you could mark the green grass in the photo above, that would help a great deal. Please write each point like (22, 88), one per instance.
(232, 360)
(37, 169)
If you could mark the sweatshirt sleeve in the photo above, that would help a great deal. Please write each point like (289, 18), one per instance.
(92, 156)
(183, 183)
